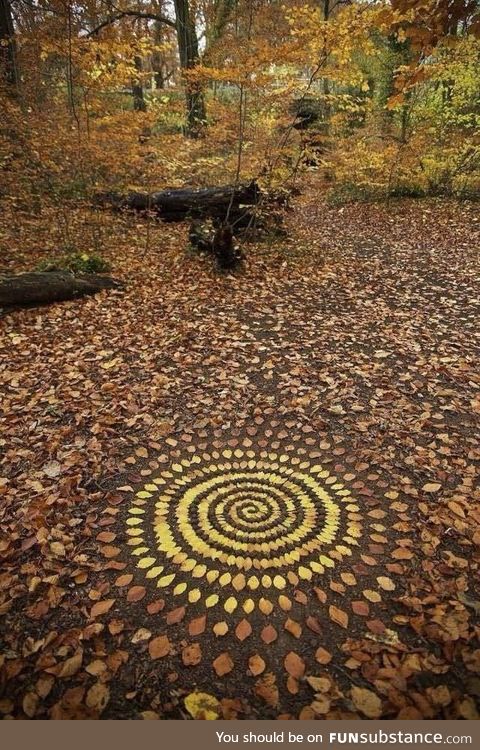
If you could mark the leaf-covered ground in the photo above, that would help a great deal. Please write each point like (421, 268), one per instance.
(263, 487)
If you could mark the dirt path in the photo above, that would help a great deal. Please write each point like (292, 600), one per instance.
(263, 487)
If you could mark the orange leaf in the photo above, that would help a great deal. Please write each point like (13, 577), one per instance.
(243, 630)
(268, 634)
(294, 665)
(256, 665)
(100, 608)
(175, 616)
(136, 593)
(223, 664)
(338, 616)
(192, 655)
(323, 656)
(197, 626)
(159, 647)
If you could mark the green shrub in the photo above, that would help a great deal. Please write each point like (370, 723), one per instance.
(76, 263)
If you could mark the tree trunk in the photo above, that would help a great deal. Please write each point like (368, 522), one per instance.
(139, 104)
(189, 57)
(220, 244)
(44, 287)
(184, 203)
(8, 67)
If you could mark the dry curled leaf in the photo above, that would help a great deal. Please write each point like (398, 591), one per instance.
(97, 697)
(293, 627)
(267, 689)
(338, 616)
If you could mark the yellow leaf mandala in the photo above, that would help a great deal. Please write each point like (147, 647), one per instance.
(232, 528)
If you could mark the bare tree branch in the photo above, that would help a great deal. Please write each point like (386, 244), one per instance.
(132, 14)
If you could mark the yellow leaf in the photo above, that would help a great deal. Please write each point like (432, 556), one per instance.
(202, 706)
(386, 583)
(220, 628)
(372, 596)
(431, 487)
(230, 605)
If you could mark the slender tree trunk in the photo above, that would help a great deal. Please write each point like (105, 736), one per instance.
(157, 62)
(326, 83)
(189, 57)
(139, 104)
(8, 67)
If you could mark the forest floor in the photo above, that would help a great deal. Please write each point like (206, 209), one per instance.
(262, 486)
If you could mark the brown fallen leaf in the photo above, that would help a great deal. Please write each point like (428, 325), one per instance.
(102, 607)
(159, 647)
(197, 626)
(292, 685)
(98, 696)
(321, 705)
(268, 634)
(110, 551)
(175, 616)
(266, 689)
(323, 656)
(402, 554)
(136, 593)
(106, 537)
(124, 580)
(115, 626)
(367, 702)
(313, 624)
(293, 627)
(243, 630)
(320, 684)
(96, 667)
(294, 665)
(30, 704)
(361, 608)
(338, 616)
(431, 487)
(223, 664)
(192, 655)
(256, 665)
(69, 667)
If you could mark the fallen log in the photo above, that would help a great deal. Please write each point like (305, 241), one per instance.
(43, 287)
(188, 203)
